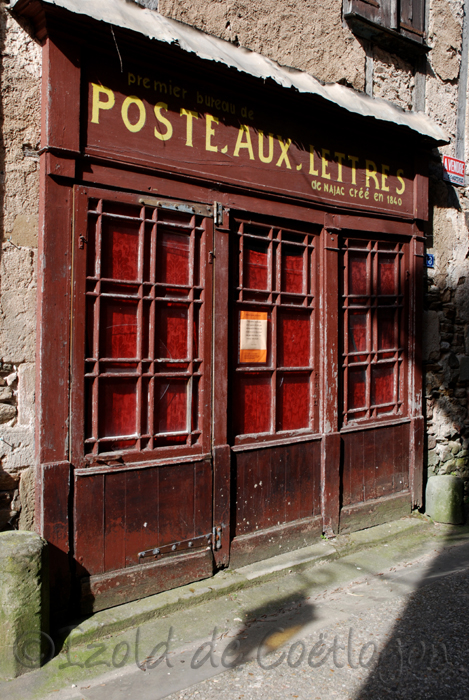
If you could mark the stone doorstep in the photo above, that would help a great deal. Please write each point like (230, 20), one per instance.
(130, 615)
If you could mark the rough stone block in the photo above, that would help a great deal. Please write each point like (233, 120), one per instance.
(6, 393)
(432, 458)
(24, 232)
(26, 388)
(23, 603)
(7, 412)
(18, 317)
(464, 368)
(431, 338)
(448, 467)
(444, 499)
(8, 482)
(26, 492)
(19, 453)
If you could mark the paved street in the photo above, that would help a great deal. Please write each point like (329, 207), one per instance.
(388, 622)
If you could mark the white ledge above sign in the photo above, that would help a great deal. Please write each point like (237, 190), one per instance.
(454, 170)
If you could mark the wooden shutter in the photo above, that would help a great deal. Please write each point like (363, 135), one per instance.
(412, 19)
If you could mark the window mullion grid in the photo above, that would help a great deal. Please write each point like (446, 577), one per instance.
(152, 330)
(310, 304)
(190, 335)
(96, 326)
(372, 286)
(274, 282)
(139, 396)
(346, 329)
(241, 261)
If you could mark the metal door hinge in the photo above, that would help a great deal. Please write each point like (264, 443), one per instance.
(212, 539)
(218, 213)
(216, 535)
(175, 205)
(81, 242)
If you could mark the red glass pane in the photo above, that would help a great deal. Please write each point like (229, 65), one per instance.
(89, 408)
(118, 367)
(293, 343)
(170, 405)
(357, 273)
(386, 274)
(117, 445)
(255, 272)
(195, 404)
(292, 269)
(252, 407)
(169, 367)
(91, 248)
(172, 258)
(146, 313)
(121, 208)
(382, 384)
(117, 407)
(147, 253)
(356, 332)
(356, 388)
(120, 249)
(118, 331)
(145, 401)
(171, 331)
(386, 329)
(89, 343)
(293, 402)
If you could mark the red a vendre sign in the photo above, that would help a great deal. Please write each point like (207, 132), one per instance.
(454, 170)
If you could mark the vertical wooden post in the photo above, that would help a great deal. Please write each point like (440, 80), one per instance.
(221, 449)
(60, 130)
(329, 334)
(415, 371)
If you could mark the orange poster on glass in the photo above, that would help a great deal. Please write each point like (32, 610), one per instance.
(253, 336)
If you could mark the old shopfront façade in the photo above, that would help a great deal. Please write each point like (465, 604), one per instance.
(231, 303)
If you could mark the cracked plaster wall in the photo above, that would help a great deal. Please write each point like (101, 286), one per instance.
(20, 75)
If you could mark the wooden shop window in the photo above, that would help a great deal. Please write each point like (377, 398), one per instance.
(145, 309)
(373, 305)
(275, 381)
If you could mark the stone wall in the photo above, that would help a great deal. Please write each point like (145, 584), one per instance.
(20, 75)
(446, 346)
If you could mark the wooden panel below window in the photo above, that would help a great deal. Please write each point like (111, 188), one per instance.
(375, 512)
(118, 587)
(120, 513)
(276, 485)
(375, 463)
(264, 544)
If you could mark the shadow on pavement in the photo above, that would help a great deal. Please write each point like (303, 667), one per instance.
(427, 655)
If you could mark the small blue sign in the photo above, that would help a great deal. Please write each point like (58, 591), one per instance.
(429, 260)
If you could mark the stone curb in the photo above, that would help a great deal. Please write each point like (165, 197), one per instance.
(107, 622)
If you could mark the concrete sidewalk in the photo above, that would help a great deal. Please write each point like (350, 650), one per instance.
(163, 644)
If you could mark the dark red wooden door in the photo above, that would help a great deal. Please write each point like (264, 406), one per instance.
(273, 385)
(376, 333)
(141, 395)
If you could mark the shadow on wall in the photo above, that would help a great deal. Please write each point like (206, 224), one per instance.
(446, 331)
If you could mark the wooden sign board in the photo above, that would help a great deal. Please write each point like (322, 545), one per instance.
(148, 115)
